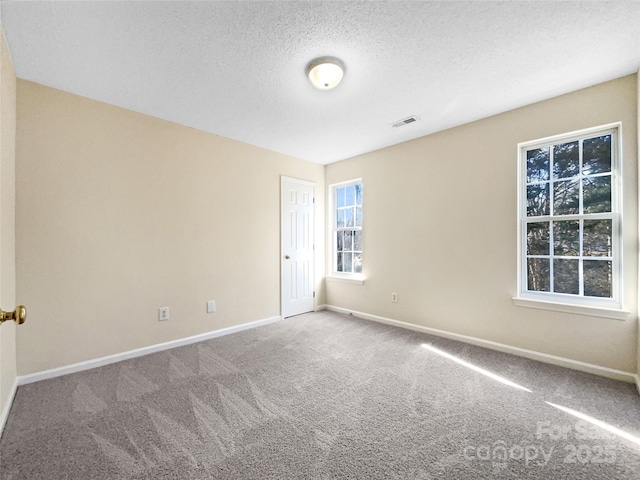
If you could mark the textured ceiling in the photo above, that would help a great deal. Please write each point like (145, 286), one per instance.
(236, 68)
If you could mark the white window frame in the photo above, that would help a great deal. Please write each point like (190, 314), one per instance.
(595, 306)
(348, 277)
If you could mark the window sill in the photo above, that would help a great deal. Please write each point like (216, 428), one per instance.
(356, 280)
(614, 313)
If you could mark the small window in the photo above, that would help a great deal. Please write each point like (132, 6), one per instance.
(347, 227)
(570, 219)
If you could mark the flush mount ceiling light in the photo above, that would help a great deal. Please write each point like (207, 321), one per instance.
(325, 72)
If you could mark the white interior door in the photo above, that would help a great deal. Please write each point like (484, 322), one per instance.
(297, 246)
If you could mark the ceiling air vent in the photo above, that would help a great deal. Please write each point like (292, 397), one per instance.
(405, 121)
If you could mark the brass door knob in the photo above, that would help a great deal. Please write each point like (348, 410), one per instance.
(19, 315)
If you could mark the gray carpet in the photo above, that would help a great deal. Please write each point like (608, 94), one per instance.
(321, 396)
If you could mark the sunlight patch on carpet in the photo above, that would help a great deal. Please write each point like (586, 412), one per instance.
(598, 423)
(473, 367)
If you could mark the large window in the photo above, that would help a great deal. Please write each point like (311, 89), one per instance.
(347, 227)
(570, 218)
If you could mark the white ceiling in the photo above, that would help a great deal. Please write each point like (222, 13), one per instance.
(236, 68)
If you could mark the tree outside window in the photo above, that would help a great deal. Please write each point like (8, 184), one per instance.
(347, 228)
(570, 217)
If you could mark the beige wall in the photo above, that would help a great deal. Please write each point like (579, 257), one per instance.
(119, 214)
(440, 229)
(7, 220)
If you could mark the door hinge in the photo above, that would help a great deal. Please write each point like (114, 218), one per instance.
(314, 294)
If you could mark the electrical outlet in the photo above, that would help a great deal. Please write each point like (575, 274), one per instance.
(211, 306)
(163, 314)
(394, 297)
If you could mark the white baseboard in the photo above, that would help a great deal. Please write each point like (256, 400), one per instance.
(4, 413)
(99, 362)
(638, 383)
(521, 352)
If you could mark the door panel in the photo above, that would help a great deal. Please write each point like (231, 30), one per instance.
(297, 246)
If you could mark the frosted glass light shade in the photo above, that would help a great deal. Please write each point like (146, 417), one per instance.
(325, 73)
